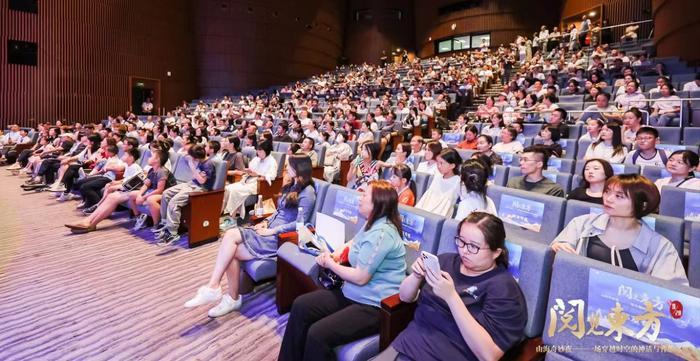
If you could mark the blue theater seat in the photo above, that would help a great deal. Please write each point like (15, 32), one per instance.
(534, 271)
(500, 175)
(670, 227)
(694, 255)
(570, 282)
(423, 181)
(550, 228)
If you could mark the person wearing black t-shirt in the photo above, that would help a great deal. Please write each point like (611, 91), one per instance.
(595, 173)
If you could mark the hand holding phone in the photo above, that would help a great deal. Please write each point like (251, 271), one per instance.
(431, 263)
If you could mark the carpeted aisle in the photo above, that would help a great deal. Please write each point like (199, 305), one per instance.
(112, 294)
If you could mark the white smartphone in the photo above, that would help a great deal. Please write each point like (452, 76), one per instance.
(431, 263)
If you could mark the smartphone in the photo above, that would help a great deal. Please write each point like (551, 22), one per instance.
(431, 263)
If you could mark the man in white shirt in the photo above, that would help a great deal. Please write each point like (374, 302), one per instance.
(693, 85)
(602, 109)
(631, 97)
(11, 137)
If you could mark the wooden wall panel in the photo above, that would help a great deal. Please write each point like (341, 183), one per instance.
(87, 51)
(677, 29)
(244, 45)
(365, 39)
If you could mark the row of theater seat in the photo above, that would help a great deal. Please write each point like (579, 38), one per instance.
(535, 262)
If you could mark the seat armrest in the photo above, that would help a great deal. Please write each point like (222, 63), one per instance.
(394, 317)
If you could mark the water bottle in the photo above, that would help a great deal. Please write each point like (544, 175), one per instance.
(300, 219)
(259, 207)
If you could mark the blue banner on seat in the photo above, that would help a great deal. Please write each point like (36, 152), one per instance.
(346, 206)
(521, 212)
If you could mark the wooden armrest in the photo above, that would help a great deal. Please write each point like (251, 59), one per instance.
(202, 216)
(344, 169)
(291, 237)
(395, 315)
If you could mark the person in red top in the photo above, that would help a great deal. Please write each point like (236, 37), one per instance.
(403, 184)
(470, 137)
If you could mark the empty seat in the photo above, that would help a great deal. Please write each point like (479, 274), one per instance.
(669, 135)
(691, 135)
(570, 147)
(523, 213)
(581, 148)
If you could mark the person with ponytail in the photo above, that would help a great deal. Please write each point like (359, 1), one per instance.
(472, 195)
(259, 242)
(401, 180)
(681, 165)
(473, 309)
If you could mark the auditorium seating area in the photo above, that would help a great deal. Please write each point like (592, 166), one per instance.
(567, 296)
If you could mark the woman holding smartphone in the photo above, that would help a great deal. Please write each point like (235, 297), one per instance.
(472, 308)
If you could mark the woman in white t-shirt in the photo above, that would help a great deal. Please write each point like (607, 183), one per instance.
(441, 196)
(508, 144)
(429, 165)
(494, 129)
(666, 108)
(681, 165)
(472, 195)
(609, 147)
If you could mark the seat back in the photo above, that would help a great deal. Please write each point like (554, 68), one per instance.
(220, 170)
(590, 290)
(321, 152)
(420, 226)
(343, 204)
(582, 147)
(280, 158)
(182, 170)
(670, 227)
(282, 147)
(321, 188)
(465, 153)
(691, 135)
(529, 262)
(669, 135)
(145, 156)
(575, 131)
(654, 173)
(523, 213)
(422, 183)
(694, 255)
(249, 152)
(501, 174)
(570, 147)
(561, 165)
(531, 130)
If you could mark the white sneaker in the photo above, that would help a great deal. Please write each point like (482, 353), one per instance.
(204, 295)
(140, 222)
(57, 187)
(63, 197)
(226, 305)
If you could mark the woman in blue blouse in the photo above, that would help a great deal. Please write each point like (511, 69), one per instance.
(473, 309)
(324, 319)
(259, 242)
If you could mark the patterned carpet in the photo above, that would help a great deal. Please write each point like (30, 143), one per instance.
(113, 294)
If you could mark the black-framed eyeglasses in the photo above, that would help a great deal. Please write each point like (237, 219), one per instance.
(471, 247)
